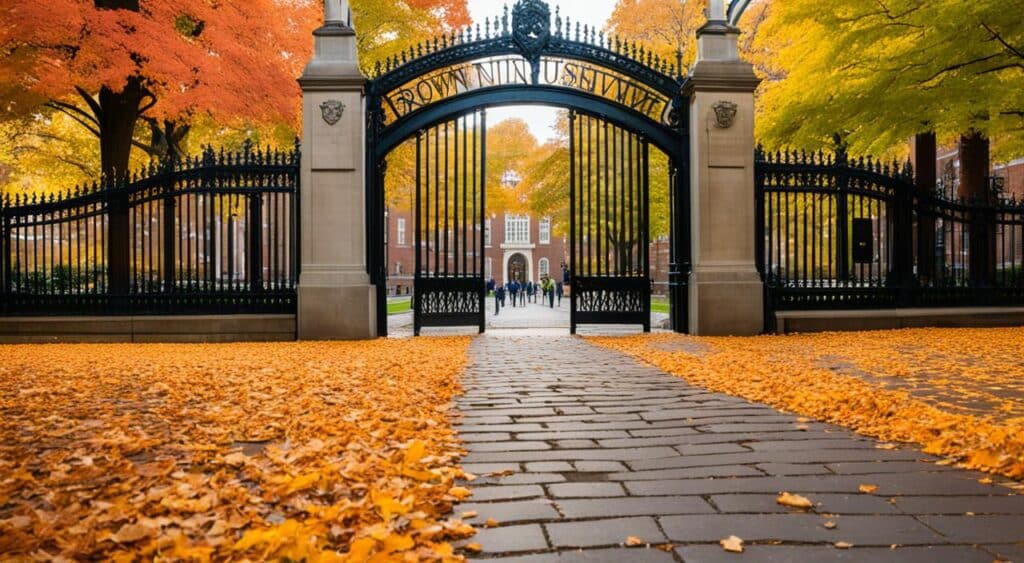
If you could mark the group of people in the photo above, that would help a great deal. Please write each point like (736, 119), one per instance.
(520, 293)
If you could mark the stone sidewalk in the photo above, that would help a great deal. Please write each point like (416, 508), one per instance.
(578, 447)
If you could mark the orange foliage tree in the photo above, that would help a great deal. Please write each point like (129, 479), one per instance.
(108, 63)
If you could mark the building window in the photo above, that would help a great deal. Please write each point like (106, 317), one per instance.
(488, 264)
(545, 231)
(544, 266)
(398, 268)
(517, 229)
(487, 232)
(401, 230)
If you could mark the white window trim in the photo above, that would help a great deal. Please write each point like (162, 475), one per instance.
(401, 230)
(517, 229)
(544, 267)
(544, 231)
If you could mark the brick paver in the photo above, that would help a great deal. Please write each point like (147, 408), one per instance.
(577, 447)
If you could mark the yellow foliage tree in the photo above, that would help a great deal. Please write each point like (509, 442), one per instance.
(878, 73)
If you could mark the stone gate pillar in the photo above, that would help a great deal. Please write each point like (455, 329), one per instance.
(336, 299)
(726, 292)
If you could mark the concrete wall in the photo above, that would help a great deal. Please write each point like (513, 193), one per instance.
(184, 328)
(788, 322)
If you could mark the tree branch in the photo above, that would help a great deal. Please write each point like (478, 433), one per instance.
(78, 115)
(96, 108)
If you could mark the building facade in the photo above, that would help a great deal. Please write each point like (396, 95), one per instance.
(521, 247)
(1010, 175)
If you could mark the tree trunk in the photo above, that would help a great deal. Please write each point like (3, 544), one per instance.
(974, 185)
(118, 116)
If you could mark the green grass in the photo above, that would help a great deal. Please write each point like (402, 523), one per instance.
(396, 306)
(659, 304)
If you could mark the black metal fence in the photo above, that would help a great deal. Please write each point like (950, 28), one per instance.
(216, 233)
(845, 234)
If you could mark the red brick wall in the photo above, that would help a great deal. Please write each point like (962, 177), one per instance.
(402, 258)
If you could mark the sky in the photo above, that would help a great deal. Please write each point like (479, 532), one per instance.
(587, 12)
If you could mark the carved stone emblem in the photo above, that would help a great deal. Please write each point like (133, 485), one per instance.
(531, 27)
(332, 111)
(725, 113)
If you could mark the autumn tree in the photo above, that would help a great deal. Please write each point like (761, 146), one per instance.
(878, 73)
(109, 63)
(665, 27)
(385, 28)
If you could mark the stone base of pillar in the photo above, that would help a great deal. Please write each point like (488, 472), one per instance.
(726, 301)
(337, 312)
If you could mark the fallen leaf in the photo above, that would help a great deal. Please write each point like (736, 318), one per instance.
(843, 545)
(474, 547)
(490, 523)
(132, 533)
(469, 514)
(502, 473)
(865, 488)
(795, 501)
(830, 525)
(985, 480)
(886, 446)
(460, 493)
(633, 541)
(732, 544)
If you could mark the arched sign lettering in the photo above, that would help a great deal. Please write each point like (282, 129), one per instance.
(529, 48)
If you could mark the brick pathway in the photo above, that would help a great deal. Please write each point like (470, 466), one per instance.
(601, 448)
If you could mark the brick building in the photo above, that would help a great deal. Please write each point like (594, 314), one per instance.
(1011, 174)
(522, 247)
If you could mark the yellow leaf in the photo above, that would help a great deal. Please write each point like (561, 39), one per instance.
(460, 493)
(474, 547)
(419, 475)
(864, 488)
(416, 451)
(795, 501)
(398, 542)
(830, 525)
(302, 482)
(387, 505)
(843, 545)
(360, 549)
(469, 514)
(633, 541)
(732, 544)
(491, 523)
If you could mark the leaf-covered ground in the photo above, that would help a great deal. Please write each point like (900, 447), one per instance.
(315, 451)
(957, 392)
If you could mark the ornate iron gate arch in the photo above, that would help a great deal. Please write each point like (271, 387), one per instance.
(437, 93)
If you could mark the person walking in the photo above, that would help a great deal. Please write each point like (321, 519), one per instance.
(549, 292)
(558, 291)
(513, 290)
(499, 298)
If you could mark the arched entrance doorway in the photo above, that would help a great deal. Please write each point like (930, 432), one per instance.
(621, 105)
(517, 268)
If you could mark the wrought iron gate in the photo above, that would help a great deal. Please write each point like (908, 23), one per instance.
(449, 287)
(609, 217)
